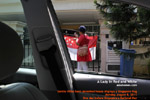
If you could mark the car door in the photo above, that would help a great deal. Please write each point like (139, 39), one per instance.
(53, 65)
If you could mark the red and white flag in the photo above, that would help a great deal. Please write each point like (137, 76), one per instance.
(72, 47)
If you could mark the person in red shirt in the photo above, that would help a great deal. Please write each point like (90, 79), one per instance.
(82, 60)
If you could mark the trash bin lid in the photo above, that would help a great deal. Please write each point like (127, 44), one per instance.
(128, 50)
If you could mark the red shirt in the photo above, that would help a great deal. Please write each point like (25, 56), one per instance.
(82, 40)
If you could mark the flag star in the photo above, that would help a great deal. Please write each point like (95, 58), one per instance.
(71, 41)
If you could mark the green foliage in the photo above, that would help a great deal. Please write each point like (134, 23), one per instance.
(144, 15)
(127, 22)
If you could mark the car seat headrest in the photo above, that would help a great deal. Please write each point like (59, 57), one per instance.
(11, 51)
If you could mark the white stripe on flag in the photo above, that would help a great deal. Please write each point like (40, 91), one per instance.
(93, 53)
(73, 53)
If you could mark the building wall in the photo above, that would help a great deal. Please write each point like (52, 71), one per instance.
(141, 41)
(16, 25)
(109, 57)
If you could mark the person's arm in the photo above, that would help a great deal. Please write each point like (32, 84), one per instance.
(76, 35)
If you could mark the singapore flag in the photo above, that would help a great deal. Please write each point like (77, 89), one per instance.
(72, 47)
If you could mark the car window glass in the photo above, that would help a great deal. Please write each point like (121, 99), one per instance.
(11, 13)
(122, 43)
(113, 52)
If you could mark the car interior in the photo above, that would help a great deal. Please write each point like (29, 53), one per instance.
(54, 69)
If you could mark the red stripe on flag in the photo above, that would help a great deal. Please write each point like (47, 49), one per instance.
(72, 47)
(93, 41)
(71, 41)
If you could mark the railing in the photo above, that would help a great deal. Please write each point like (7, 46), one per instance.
(95, 64)
(28, 61)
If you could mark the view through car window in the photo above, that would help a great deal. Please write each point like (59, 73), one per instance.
(12, 14)
(118, 35)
